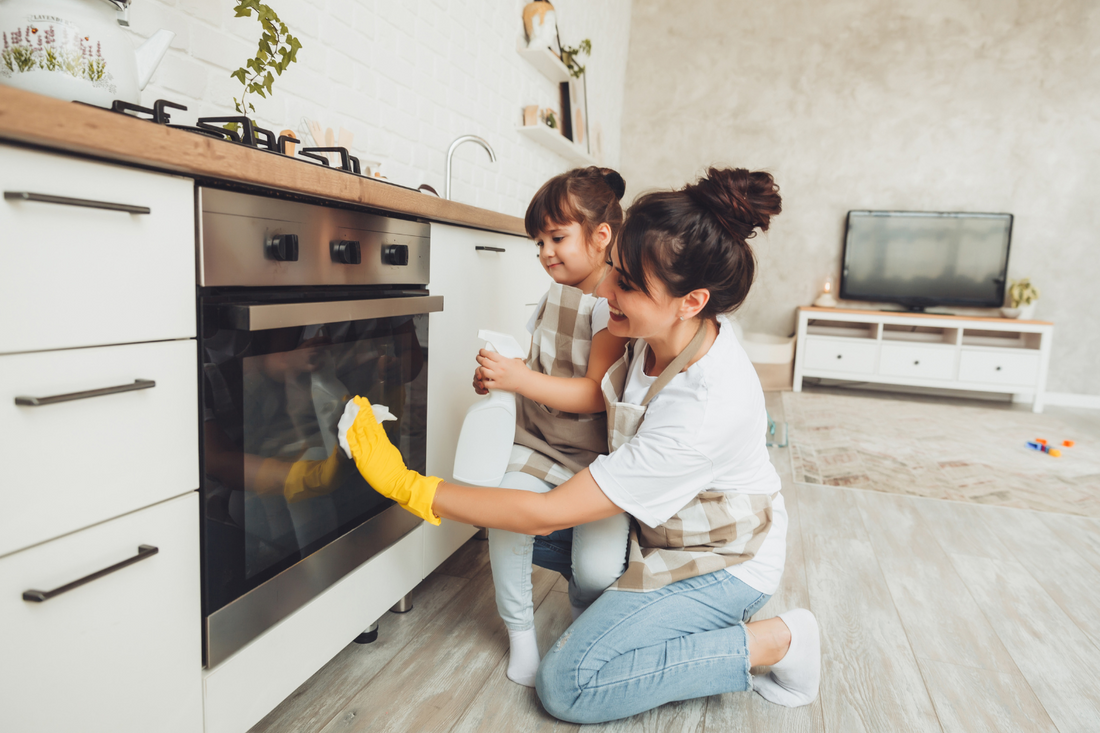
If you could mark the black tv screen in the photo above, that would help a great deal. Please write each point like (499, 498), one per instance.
(921, 259)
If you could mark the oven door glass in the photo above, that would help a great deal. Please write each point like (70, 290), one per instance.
(276, 485)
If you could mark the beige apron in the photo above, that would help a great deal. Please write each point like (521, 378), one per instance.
(550, 444)
(716, 530)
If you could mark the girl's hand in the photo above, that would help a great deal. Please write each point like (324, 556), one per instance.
(500, 372)
(479, 384)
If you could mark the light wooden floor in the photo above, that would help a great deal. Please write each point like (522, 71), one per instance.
(934, 615)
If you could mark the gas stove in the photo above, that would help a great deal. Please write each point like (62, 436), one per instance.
(247, 134)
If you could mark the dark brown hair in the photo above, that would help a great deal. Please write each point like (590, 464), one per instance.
(696, 237)
(589, 196)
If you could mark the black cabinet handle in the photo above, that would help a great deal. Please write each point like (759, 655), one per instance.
(916, 362)
(998, 369)
(485, 248)
(39, 596)
(53, 400)
(839, 356)
(66, 201)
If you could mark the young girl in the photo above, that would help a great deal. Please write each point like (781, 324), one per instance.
(560, 423)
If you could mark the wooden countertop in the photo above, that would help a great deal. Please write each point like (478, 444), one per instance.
(35, 119)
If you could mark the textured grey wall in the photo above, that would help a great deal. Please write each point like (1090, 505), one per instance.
(935, 105)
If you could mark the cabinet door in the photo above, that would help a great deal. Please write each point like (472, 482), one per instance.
(78, 274)
(487, 280)
(82, 461)
(120, 653)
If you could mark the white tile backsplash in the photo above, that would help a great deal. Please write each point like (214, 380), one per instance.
(406, 78)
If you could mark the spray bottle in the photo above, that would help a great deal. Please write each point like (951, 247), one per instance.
(485, 443)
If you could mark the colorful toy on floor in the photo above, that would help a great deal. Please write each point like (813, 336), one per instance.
(1040, 444)
(1067, 443)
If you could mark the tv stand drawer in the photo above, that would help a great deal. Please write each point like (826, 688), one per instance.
(925, 362)
(999, 367)
(840, 355)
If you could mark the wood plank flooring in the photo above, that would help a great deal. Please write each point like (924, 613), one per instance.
(935, 616)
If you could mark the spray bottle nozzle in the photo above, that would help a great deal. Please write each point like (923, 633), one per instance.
(502, 343)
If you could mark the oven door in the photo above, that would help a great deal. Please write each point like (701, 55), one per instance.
(285, 512)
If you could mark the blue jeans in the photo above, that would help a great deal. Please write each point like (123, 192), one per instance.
(630, 652)
(594, 558)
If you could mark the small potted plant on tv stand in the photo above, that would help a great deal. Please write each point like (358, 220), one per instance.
(1022, 296)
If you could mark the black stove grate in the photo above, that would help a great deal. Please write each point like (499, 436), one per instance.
(247, 134)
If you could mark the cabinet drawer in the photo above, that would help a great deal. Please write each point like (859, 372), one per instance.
(839, 355)
(120, 653)
(82, 276)
(923, 362)
(74, 463)
(1020, 368)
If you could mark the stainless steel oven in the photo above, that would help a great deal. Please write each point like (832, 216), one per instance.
(301, 306)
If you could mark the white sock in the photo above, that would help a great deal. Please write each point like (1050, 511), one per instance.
(523, 657)
(576, 611)
(793, 680)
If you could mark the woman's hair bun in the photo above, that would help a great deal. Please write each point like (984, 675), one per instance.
(740, 199)
(614, 181)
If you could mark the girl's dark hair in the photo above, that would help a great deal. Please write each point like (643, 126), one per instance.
(696, 237)
(589, 196)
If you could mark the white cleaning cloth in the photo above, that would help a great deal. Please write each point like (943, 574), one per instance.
(351, 410)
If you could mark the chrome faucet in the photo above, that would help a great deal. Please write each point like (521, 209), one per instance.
(451, 152)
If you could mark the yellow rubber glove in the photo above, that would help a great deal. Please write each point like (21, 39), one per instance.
(380, 463)
(307, 479)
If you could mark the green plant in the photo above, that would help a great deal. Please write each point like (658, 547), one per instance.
(550, 119)
(569, 57)
(1021, 292)
(276, 51)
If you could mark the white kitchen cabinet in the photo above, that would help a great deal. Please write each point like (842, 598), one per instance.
(924, 350)
(488, 281)
(73, 463)
(119, 654)
(77, 272)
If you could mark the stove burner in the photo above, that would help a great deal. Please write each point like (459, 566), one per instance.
(249, 134)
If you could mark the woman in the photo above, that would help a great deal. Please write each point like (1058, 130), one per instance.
(686, 423)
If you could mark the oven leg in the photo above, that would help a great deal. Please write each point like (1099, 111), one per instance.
(482, 534)
(404, 605)
(369, 636)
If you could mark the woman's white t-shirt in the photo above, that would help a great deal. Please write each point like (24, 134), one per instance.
(705, 431)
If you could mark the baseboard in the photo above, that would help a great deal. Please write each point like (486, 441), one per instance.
(1069, 399)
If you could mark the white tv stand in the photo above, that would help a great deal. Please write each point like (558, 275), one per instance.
(924, 350)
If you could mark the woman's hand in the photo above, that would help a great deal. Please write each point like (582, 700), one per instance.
(381, 464)
(500, 372)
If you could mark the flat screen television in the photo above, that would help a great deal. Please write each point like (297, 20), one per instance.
(921, 259)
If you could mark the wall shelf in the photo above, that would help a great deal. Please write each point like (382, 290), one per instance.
(543, 59)
(556, 142)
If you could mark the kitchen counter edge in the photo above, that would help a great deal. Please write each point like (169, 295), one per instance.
(42, 121)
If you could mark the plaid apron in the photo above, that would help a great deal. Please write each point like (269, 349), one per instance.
(716, 530)
(550, 444)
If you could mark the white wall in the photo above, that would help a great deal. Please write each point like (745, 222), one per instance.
(405, 77)
(935, 105)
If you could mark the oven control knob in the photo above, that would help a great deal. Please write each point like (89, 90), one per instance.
(395, 254)
(346, 252)
(283, 247)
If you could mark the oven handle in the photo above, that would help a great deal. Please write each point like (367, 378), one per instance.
(291, 315)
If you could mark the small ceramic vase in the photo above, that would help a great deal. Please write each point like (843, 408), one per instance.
(540, 23)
